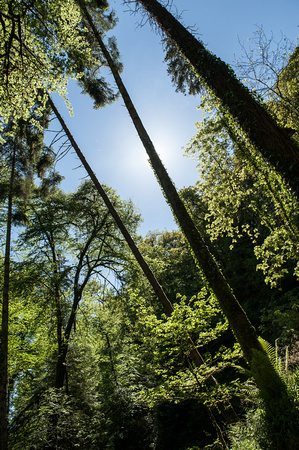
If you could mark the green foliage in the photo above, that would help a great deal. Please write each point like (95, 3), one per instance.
(244, 197)
(281, 364)
(130, 381)
(42, 46)
(32, 159)
(34, 402)
(283, 317)
(285, 103)
(76, 426)
(246, 434)
(98, 90)
(166, 347)
(34, 55)
(69, 244)
(90, 81)
(169, 257)
(257, 429)
(30, 347)
(181, 71)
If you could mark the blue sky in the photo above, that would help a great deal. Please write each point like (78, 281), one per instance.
(107, 136)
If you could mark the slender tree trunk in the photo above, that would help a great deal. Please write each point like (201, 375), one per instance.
(5, 315)
(238, 320)
(133, 247)
(262, 131)
(61, 365)
(54, 416)
(60, 368)
(271, 387)
(227, 410)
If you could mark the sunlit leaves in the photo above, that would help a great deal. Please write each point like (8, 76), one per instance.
(34, 51)
(165, 346)
(243, 195)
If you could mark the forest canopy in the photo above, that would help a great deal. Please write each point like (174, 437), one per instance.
(181, 339)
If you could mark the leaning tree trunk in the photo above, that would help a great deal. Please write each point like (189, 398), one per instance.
(238, 320)
(5, 314)
(226, 409)
(271, 387)
(130, 241)
(273, 142)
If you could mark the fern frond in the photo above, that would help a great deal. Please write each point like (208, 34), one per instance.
(271, 351)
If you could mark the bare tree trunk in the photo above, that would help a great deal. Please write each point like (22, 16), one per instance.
(273, 142)
(5, 316)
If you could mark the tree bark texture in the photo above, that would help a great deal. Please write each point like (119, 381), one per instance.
(227, 410)
(266, 377)
(261, 129)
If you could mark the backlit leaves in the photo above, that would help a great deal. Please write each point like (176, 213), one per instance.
(34, 45)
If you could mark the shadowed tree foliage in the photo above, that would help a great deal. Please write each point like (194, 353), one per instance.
(25, 156)
(81, 241)
(108, 347)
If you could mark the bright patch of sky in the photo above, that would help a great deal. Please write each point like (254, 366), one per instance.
(108, 138)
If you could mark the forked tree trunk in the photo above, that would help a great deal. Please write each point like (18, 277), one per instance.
(270, 385)
(273, 142)
(5, 316)
(61, 364)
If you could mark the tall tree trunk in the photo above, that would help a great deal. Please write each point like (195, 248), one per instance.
(227, 410)
(262, 131)
(271, 387)
(59, 325)
(5, 316)
(61, 366)
(130, 241)
(54, 416)
(231, 308)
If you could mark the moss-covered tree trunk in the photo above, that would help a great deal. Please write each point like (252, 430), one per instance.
(226, 409)
(122, 227)
(271, 387)
(273, 142)
(239, 322)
